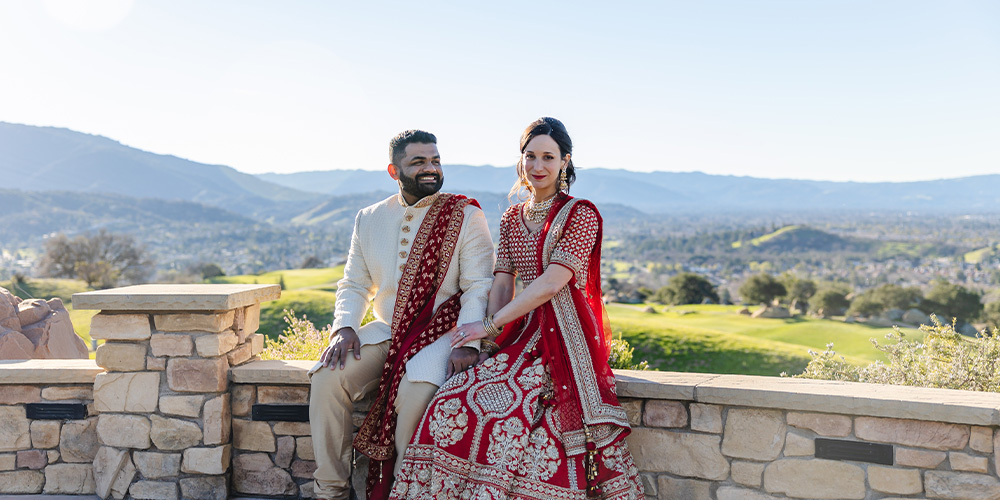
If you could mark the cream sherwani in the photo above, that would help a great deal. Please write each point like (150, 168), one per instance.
(380, 247)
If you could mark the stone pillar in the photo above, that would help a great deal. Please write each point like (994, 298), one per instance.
(165, 419)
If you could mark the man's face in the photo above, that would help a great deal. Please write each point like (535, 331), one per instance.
(419, 172)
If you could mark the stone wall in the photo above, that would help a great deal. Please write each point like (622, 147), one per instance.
(41, 451)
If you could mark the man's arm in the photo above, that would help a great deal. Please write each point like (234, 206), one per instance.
(354, 292)
(476, 268)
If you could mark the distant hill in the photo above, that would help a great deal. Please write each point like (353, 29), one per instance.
(804, 238)
(695, 192)
(57, 159)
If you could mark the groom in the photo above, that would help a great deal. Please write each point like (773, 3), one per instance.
(423, 260)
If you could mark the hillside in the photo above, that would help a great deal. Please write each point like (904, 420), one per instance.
(803, 238)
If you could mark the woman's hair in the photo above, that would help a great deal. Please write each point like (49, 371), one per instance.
(557, 131)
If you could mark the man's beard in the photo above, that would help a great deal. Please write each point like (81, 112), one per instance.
(419, 189)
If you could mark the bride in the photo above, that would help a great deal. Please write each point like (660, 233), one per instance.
(539, 418)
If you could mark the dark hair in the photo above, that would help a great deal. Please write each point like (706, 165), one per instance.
(397, 146)
(557, 131)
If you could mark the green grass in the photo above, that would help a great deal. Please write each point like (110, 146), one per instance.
(46, 288)
(295, 279)
(715, 339)
(316, 305)
(764, 239)
(978, 255)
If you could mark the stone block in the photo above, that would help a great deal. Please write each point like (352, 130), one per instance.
(255, 474)
(965, 462)
(747, 473)
(286, 451)
(173, 433)
(648, 484)
(686, 489)
(119, 488)
(156, 364)
(205, 488)
(124, 431)
(304, 448)
(70, 479)
(925, 459)
(8, 461)
(916, 433)
(121, 356)
(960, 486)
(735, 493)
(665, 414)
(157, 465)
(153, 490)
(218, 420)
(256, 343)
(215, 344)
(306, 490)
(31, 459)
(68, 393)
(251, 318)
(240, 355)
(633, 408)
(52, 455)
(815, 478)
(207, 460)
(981, 439)
(182, 406)
(797, 445)
(19, 394)
(303, 469)
(22, 482)
(682, 454)
(131, 392)
(198, 375)
(171, 345)
(706, 418)
(243, 398)
(108, 463)
(105, 326)
(292, 429)
(45, 433)
(895, 481)
(198, 322)
(283, 394)
(253, 436)
(754, 434)
(14, 429)
(78, 440)
(823, 424)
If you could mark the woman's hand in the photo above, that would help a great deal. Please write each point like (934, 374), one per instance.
(467, 333)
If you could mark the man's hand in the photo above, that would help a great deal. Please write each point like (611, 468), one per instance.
(461, 359)
(344, 341)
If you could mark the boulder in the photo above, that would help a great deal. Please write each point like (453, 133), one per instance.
(44, 324)
(916, 317)
(967, 329)
(894, 314)
(772, 312)
(744, 311)
(881, 321)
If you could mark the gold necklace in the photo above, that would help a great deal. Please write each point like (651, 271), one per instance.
(537, 212)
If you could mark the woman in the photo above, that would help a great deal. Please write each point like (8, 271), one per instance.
(539, 418)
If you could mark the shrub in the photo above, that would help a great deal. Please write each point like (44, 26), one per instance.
(301, 340)
(762, 289)
(943, 359)
(621, 353)
(687, 288)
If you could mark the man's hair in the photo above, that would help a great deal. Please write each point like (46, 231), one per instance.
(397, 146)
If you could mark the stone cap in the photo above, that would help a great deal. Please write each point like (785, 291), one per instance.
(198, 297)
(272, 371)
(49, 371)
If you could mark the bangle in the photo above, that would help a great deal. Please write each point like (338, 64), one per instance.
(488, 346)
(491, 328)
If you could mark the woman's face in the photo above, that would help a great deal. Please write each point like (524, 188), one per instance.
(542, 164)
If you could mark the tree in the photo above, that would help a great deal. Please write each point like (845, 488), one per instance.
(829, 302)
(954, 301)
(762, 289)
(312, 262)
(878, 300)
(799, 290)
(102, 260)
(687, 288)
(991, 315)
(207, 270)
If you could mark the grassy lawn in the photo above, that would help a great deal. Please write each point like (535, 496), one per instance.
(315, 305)
(715, 339)
(295, 279)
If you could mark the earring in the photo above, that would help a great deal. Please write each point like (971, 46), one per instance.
(563, 185)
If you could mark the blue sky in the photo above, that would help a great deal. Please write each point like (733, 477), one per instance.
(836, 90)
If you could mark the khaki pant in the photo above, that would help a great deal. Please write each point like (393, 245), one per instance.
(331, 404)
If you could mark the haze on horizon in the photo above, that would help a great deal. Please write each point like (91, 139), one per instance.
(846, 91)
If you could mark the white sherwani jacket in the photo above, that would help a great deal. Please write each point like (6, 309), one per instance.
(380, 246)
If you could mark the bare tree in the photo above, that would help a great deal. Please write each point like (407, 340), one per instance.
(103, 260)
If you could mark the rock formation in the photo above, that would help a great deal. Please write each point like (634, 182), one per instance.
(780, 312)
(37, 328)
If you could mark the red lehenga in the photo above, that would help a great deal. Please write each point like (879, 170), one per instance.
(539, 419)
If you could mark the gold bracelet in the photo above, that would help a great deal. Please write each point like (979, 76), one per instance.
(491, 328)
(488, 346)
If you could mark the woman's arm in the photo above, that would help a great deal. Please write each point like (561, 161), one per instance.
(501, 292)
(537, 293)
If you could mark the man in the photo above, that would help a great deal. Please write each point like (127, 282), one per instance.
(424, 261)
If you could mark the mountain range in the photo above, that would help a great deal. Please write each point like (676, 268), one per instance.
(55, 159)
